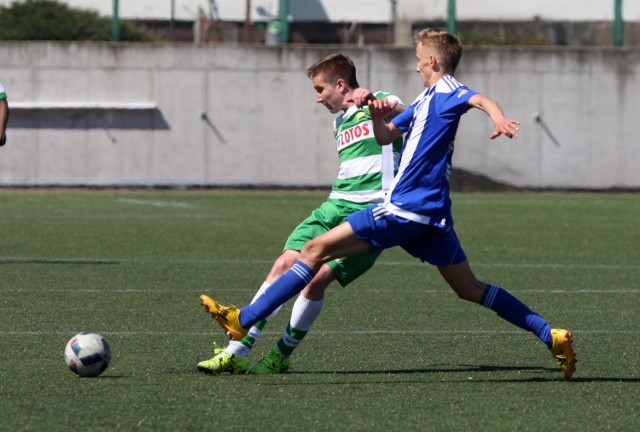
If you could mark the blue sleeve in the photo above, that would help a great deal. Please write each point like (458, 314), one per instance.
(403, 120)
(457, 103)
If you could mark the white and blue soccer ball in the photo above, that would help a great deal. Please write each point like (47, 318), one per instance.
(87, 354)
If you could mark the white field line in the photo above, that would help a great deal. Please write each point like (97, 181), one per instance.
(209, 218)
(155, 203)
(240, 261)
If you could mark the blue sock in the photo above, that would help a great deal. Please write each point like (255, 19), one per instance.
(513, 310)
(285, 287)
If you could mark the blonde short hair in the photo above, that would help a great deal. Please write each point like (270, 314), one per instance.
(447, 47)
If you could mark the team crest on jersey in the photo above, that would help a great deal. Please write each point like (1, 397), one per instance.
(355, 134)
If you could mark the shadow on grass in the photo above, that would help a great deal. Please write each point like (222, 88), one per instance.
(435, 375)
(446, 369)
(104, 377)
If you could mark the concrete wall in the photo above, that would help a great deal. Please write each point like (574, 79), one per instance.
(237, 115)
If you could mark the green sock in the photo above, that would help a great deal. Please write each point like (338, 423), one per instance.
(254, 333)
(290, 340)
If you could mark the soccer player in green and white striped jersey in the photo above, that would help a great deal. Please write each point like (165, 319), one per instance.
(366, 172)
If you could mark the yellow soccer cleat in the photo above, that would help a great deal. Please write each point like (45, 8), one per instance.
(227, 317)
(562, 351)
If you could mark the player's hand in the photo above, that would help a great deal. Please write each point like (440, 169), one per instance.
(361, 96)
(507, 127)
(381, 108)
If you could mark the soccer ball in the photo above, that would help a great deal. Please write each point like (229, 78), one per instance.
(87, 354)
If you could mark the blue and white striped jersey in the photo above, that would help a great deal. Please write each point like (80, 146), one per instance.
(420, 191)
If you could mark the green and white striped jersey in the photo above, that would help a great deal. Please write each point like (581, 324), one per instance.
(3, 94)
(366, 168)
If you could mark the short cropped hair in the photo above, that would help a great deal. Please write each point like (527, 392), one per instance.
(447, 46)
(335, 67)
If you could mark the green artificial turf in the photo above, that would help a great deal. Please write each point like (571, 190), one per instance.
(396, 350)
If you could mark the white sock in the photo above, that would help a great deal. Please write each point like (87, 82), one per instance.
(305, 312)
(237, 348)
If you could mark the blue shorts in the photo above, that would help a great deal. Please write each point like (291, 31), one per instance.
(437, 246)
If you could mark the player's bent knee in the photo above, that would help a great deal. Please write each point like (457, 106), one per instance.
(282, 264)
(312, 251)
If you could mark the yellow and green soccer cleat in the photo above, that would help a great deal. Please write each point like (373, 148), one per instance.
(223, 362)
(562, 351)
(227, 317)
(273, 363)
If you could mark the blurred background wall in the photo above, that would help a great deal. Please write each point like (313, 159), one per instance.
(128, 102)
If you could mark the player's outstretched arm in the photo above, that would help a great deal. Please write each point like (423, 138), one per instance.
(380, 109)
(503, 125)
